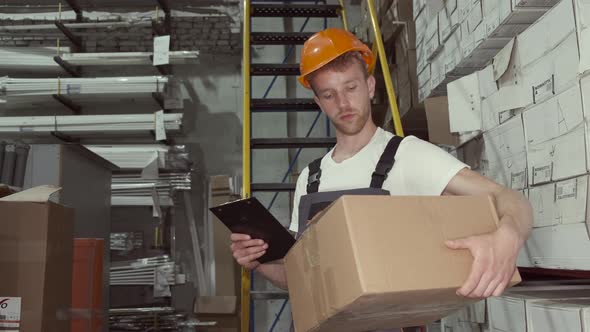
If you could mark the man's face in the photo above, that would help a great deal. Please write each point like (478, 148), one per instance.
(345, 97)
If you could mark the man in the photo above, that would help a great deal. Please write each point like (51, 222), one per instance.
(336, 66)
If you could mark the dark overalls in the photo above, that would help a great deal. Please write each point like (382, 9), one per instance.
(314, 201)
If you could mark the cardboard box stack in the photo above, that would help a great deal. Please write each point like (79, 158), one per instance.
(458, 37)
(531, 104)
(397, 23)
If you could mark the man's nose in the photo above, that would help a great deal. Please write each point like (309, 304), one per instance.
(343, 100)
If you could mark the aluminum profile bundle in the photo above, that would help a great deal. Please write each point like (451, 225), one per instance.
(141, 156)
(126, 241)
(88, 124)
(29, 59)
(144, 271)
(50, 30)
(127, 58)
(26, 93)
(135, 190)
(41, 59)
(30, 87)
(146, 319)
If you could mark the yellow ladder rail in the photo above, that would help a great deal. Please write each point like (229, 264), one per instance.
(246, 157)
(397, 123)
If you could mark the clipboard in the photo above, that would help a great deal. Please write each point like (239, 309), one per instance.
(249, 216)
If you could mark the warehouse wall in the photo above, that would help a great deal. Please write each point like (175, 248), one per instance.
(213, 124)
(190, 31)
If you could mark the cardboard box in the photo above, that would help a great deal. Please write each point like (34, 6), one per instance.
(501, 106)
(215, 304)
(505, 154)
(450, 7)
(562, 202)
(468, 319)
(563, 246)
(223, 323)
(343, 276)
(433, 45)
(418, 6)
(509, 312)
(452, 51)
(465, 99)
(467, 41)
(547, 56)
(424, 77)
(422, 62)
(464, 7)
(512, 13)
(421, 23)
(464, 104)
(36, 261)
(555, 135)
(437, 70)
(567, 314)
(475, 17)
(437, 116)
(585, 92)
(226, 273)
(447, 24)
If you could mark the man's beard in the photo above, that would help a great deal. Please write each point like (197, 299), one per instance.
(353, 127)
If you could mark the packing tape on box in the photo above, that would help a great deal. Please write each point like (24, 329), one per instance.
(324, 281)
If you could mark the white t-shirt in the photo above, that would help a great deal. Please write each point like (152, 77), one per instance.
(420, 169)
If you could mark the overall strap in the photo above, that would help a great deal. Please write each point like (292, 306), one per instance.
(385, 163)
(315, 172)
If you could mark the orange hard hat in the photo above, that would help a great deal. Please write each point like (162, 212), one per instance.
(327, 45)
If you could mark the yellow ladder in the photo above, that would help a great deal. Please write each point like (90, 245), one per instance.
(260, 9)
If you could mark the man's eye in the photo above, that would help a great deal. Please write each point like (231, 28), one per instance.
(327, 96)
(352, 87)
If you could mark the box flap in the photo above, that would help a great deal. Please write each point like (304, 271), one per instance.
(502, 60)
(38, 194)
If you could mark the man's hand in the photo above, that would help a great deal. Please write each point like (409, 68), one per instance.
(494, 262)
(246, 251)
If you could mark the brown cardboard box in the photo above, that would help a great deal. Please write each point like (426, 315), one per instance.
(226, 268)
(379, 262)
(215, 304)
(227, 271)
(36, 259)
(224, 323)
(437, 114)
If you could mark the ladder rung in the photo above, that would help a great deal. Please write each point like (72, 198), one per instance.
(292, 142)
(269, 295)
(279, 38)
(289, 10)
(271, 69)
(282, 105)
(273, 187)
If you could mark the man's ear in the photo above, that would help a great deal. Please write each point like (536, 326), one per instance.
(371, 84)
